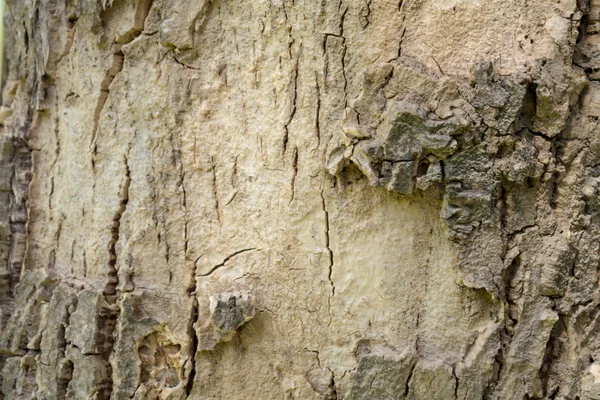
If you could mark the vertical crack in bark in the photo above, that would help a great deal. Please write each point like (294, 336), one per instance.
(51, 193)
(193, 347)
(191, 290)
(292, 113)
(117, 66)
(400, 41)
(118, 59)
(213, 170)
(318, 111)
(233, 182)
(508, 277)
(327, 243)
(502, 207)
(110, 289)
(294, 174)
(186, 237)
(549, 357)
(332, 386)
(184, 207)
(345, 50)
(330, 254)
(72, 28)
(409, 379)
(56, 132)
(455, 376)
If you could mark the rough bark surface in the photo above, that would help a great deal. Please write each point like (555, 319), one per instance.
(336, 199)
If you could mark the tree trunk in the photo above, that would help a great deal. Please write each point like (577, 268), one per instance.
(286, 199)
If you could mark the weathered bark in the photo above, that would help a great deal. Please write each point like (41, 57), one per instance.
(346, 199)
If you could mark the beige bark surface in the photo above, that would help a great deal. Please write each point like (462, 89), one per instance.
(288, 199)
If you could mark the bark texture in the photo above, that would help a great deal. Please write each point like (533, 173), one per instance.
(291, 199)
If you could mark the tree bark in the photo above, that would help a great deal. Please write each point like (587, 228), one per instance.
(267, 199)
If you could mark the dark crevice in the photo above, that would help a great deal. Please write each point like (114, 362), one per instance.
(333, 394)
(509, 276)
(293, 106)
(109, 320)
(409, 379)
(118, 58)
(550, 354)
(328, 244)
(193, 348)
(456, 381)
(318, 112)
(111, 73)
(110, 289)
(294, 173)
(213, 170)
(229, 257)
